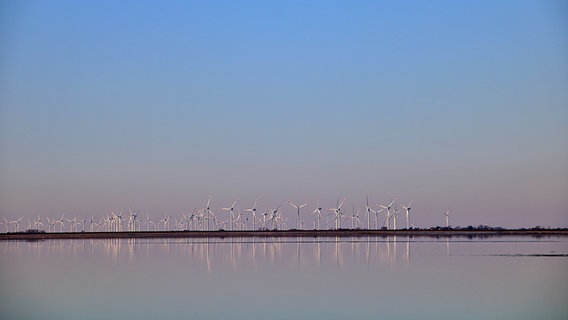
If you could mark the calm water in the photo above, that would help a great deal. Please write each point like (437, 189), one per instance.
(360, 278)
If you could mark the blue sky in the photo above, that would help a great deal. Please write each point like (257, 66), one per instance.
(106, 105)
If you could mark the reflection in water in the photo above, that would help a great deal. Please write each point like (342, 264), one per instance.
(298, 277)
(237, 253)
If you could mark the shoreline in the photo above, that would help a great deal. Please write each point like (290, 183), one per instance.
(282, 234)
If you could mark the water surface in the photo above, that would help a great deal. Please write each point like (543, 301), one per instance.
(285, 278)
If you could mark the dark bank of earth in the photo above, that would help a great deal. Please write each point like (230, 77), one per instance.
(432, 232)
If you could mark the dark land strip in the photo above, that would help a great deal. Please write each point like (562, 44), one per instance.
(39, 235)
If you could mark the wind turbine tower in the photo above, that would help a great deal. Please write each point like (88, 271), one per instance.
(231, 211)
(338, 214)
(253, 212)
(407, 208)
(388, 214)
(318, 211)
(368, 211)
(299, 221)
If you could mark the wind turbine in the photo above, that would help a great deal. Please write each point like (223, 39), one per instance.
(377, 217)
(338, 214)
(50, 223)
(150, 221)
(407, 208)
(38, 222)
(318, 211)
(60, 221)
(119, 219)
(355, 221)
(207, 212)
(253, 212)
(395, 216)
(17, 223)
(166, 222)
(231, 211)
(264, 218)
(73, 222)
(6, 224)
(239, 220)
(132, 220)
(84, 223)
(92, 223)
(388, 214)
(299, 222)
(275, 217)
(188, 218)
(368, 211)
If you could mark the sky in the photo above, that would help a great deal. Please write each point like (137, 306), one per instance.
(459, 106)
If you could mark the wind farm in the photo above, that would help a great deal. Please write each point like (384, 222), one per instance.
(231, 221)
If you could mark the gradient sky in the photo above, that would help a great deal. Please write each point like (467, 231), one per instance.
(453, 105)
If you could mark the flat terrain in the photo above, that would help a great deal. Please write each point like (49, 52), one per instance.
(283, 234)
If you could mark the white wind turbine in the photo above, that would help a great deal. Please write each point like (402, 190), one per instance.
(50, 224)
(92, 224)
(147, 222)
(338, 214)
(377, 217)
(408, 208)
(395, 216)
(299, 221)
(84, 222)
(17, 223)
(207, 212)
(192, 217)
(231, 211)
(253, 212)
(239, 220)
(355, 221)
(318, 211)
(186, 218)
(155, 224)
(263, 220)
(37, 222)
(368, 212)
(7, 224)
(387, 214)
(132, 220)
(61, 223)
(119, 219)
(73, 222)
(166, 222)
(275, 218)
(107, 221)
